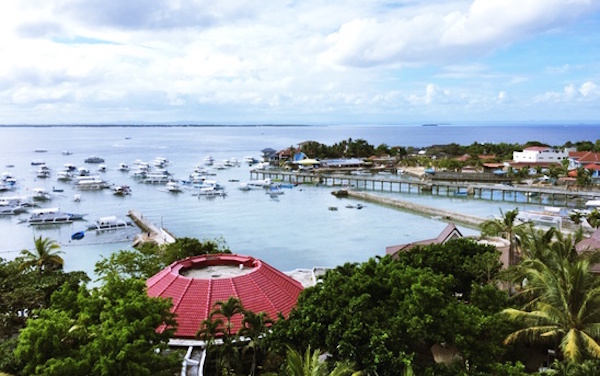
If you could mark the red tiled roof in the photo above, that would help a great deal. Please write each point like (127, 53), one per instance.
(261, 289)
(486, 156)
(537, 148)
(592, 166)
(585, 156)
(590, 244)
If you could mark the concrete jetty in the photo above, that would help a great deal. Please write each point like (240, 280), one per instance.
(446, 215)
(150, 232)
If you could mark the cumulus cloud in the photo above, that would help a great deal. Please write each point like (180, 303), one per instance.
(588, 91)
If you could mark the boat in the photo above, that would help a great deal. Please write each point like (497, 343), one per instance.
(333, 208)
(549, 216)
(94, 160)
(208, 160)
(275, 191)
(11, 209)
(121, 190)
(64, 176)
(258, 184)
(123, 167)
(25, 201)
(361, 172)
(160, 162)
(67, 152)
(211, 192)
(173, 187)
(78, 235)
(250, 160)
(91, 183)
(57, 190)
(109, 223)
(51, 216)
(40, 194)
(102, 168)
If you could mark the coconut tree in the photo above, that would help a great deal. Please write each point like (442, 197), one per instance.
(45, 255)
(254, 327)
(311, 365)
(508, 228)
(228, 309)
(594, 218)
(563, 309)
(209, 330)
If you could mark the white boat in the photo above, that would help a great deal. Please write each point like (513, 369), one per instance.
(211, 192)
(361, 172)
(209, 184)
(121, 190)
(160, 162)
(257, 184)
(173, 187)
(123, 167)
(593, 205)
(91, 183)
(250, 160)
(64, 176)
(82, 171)
(109, 223)
(67, 152)
(51, 216)
(102, 168)
(40, 194)
(70, 167)
(208, 160)
(275, 191)
(549, 216)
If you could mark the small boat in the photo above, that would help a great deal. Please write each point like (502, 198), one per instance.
(173, 187)
(40, 194)
(102, 168)
(109, 223)
(121, 190)
(211, 192)
(58, 190)
(123, 167)
(94, 160)
(78, 235)
(275, 191)
(67, 152)
(77, 198)
(333, 208)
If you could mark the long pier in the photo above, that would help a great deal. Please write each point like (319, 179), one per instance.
(151, 232)
(518, 194)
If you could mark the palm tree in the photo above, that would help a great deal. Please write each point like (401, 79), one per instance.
(311, 365)
(563, 310)
(44, 257)
(228, 309)
(594, 218)
(209, 330)
(508, 229)
(255, 326)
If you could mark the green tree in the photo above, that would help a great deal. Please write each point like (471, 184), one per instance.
(562, 308)
(209, 331)
(508, 228)
(593, 218)
(255, 327)
(110, 330)
(311, 365)
(44, 257)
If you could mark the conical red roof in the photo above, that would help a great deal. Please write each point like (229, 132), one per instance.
(197, 283)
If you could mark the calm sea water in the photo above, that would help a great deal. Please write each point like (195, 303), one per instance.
(295, 231)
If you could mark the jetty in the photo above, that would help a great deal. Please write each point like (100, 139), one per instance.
(527, 194)
(150, 232)
(437, 213)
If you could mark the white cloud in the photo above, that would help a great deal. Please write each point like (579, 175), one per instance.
(588, 91)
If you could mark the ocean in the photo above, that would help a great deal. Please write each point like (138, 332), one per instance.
(295, 230)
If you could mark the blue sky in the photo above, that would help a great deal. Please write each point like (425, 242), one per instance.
(294, 62)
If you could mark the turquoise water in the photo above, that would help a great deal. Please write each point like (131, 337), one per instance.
(294, 231)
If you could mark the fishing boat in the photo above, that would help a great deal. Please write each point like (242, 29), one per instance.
(94, 160)
(121, 190)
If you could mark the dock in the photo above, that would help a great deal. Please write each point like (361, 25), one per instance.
(150, 232)
(445, 215)
(534, 194)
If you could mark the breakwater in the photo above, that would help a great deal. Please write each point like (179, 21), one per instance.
(446, 215)
(151, 232)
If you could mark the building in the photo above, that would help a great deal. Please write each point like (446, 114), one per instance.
(197, 283)
(539, 154)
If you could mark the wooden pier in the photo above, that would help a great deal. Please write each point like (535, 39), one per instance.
(150, 232)
(542, 195)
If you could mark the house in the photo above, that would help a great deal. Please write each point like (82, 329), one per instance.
(582, 158)
(449, 233)
(590, 244)
(269, 155)
(539, 154)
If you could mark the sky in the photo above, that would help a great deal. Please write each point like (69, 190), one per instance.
(299, 62)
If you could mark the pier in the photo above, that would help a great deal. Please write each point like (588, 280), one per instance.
(528, 194)
(445, 215)
(150, 232)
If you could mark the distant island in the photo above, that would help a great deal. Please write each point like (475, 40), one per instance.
(429, 125)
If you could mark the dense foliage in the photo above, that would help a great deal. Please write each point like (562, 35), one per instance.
(110, 330)
(387, 313)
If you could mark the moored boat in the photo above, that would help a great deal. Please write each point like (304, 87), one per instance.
(109, 223)
(51, 216)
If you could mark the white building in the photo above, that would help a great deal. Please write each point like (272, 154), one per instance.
(537, 154)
